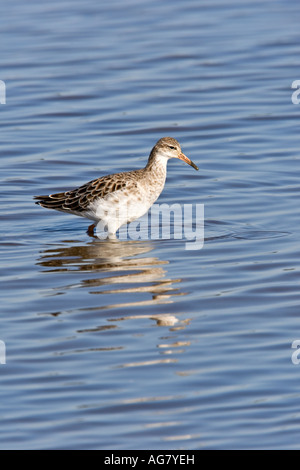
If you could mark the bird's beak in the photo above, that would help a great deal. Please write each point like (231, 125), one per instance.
(185, 159)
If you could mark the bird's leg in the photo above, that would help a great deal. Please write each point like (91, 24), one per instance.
(90, 230)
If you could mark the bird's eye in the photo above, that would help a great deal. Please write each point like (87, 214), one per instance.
(172, 148)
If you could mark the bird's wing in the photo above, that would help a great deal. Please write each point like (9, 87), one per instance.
(80, 199)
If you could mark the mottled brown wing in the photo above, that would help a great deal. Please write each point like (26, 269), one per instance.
(78, 200)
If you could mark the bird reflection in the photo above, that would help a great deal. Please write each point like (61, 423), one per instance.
(121, 267)
(116, 282)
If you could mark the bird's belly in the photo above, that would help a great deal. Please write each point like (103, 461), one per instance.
(119, 209)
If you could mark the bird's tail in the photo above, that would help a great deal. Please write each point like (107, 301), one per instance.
(53, 201)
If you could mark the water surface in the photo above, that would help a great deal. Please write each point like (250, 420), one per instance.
(141, 344)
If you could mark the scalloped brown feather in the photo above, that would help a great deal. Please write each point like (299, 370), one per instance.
(78, 200)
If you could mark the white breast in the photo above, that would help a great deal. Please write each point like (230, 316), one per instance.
(120, 208)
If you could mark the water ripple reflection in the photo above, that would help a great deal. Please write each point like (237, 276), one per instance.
(112, 269)
(138, 344)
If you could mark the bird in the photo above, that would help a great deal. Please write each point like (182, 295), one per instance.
(118, 199)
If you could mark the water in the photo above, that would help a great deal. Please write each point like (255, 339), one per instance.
(143, 344)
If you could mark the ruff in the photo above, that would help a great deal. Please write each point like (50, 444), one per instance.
(114, 200)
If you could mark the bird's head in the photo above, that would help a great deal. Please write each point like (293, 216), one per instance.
(167, 147)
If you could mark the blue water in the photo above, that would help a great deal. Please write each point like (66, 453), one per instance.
(144, 344)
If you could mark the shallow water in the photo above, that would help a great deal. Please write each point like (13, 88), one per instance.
(142, 344)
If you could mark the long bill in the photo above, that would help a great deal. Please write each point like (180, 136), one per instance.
(185, 159)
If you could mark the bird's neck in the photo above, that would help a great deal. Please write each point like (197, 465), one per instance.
(157, 165)
(155, 174)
